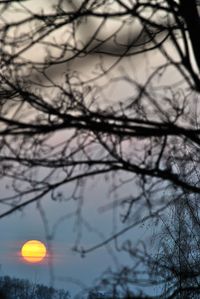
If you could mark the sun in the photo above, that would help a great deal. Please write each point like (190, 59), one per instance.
(33, 251)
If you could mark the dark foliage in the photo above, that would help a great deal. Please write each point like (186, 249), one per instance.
(14, 288)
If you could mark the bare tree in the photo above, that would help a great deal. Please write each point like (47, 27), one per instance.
(58, 122)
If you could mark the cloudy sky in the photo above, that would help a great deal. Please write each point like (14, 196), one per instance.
(56, 223)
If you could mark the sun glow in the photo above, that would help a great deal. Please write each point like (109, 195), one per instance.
(33, 251)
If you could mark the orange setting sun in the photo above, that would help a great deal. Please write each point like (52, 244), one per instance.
(33, 251)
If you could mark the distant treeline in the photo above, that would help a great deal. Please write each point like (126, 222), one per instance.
(14, 288)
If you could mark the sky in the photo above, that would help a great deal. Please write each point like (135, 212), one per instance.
(71, 271)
